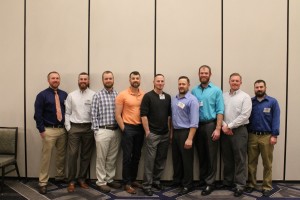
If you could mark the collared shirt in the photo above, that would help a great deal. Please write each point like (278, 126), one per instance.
(78, 107)
(131, 103)
(238, 108)
(45, 109)
(103, 109)
(210, 101)
(185, 112)
(265, 116)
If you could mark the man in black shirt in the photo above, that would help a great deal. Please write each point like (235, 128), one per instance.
(155, 114)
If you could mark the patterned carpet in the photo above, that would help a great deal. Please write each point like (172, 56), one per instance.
(15, 190)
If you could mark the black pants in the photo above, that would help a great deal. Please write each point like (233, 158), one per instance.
(183, 159)
(207, 152)
(132, 143)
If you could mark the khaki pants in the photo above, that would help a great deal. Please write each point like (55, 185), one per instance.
(53, 137)
(260, 144)
(107, 148)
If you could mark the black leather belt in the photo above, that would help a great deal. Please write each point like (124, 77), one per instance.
(109, 127)
(208, 121)
(261, 133)
(55, 126)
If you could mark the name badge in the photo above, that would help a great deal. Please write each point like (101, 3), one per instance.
(200, 103)
(181, 105)
(162, 96)
(267, 110)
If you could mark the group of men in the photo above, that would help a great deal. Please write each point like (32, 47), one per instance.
(201, 118)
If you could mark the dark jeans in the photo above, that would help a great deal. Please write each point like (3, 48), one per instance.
(80, 135)
(132, 143)
(207, 152)
(183, 159)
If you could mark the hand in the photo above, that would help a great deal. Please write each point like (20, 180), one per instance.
(43, 135)
(147, 134)
(188, 144)
(273, 140)
(226, 130)
(215, 135)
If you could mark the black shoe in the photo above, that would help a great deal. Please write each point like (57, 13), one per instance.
(158, 186)
(207, 190)
(238, 193)
(249, 189)
(266, 193)
(201, 183)
(184, 191)
(43, 189)
(148, 191)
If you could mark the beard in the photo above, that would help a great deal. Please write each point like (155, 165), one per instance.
(83, 86)
(135, 84)
(204, 80)
(108, 85)
(260, 93)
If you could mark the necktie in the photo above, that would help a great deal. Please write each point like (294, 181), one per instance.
(57, 105)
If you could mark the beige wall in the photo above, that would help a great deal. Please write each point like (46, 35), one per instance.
(122, 39)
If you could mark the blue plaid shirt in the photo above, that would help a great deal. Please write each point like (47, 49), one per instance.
(103, 109)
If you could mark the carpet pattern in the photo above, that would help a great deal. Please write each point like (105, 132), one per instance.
(16, 190)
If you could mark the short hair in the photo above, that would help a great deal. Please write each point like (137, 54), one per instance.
(235, 74)
(260, 81)
(53, 72)
(159, 75)
(83, 73)
(184, 77)
(134, 73)
(106, 72)
(205, 66)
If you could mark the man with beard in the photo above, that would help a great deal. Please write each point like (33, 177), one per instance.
(128, 104)
(107, 134)
(185, 118)
(211, 109)
(78, 124)
(50, 117)
(155, 114)
(263, 131)
(234, 140)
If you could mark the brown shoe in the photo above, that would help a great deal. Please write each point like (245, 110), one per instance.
(43, 189)
(104, 188)
(114, 185)
(129, 189)
(136, 184)
(83, 185)
(71, 187)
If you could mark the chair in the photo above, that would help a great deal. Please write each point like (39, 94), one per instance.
(8, 151)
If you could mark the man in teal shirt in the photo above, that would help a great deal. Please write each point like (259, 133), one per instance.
(211, 109)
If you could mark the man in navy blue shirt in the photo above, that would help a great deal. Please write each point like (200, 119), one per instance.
(49, 116)
(263, 132)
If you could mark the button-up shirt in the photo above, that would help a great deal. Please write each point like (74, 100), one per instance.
(265, 116)
(78, 107)
(103, 109)
(185, 111)
(238, 108)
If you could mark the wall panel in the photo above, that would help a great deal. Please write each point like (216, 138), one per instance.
(122, 40)
(57, 35)
(12, 70)
(255, 47)
(188, 36)
(293, 148)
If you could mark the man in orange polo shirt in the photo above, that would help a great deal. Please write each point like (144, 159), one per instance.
(127, 113)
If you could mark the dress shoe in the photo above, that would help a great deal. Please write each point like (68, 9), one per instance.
(249, 189)
(83, 185)
(71, 187)
(158, 186)
(104, 188)
(136, 184)
(266, 193)
(184, 191)
(148, 191)
(114, 185)
(207, 190)
(43, 189)
(129, 189)
(238, 193)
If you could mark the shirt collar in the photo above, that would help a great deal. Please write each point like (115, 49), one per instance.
(138, 94)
